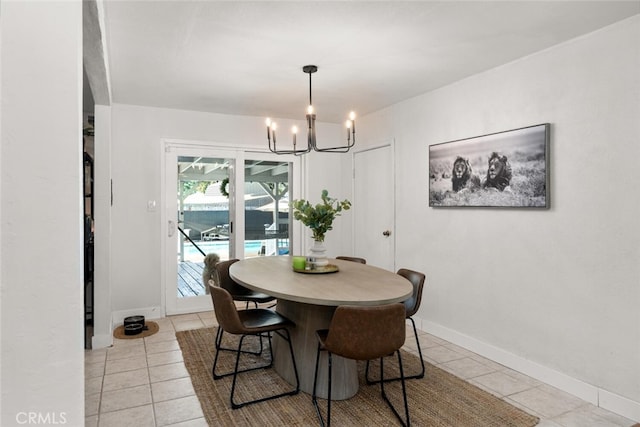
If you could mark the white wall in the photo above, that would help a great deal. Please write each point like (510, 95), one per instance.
(42, 357)
(559, 290)
(331, 171)
(136, 156)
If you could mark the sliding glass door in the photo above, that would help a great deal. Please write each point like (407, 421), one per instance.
(230, 203)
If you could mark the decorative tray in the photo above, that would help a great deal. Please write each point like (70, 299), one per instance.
(329, 268)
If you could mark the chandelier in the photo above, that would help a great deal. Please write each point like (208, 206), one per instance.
(311, 131)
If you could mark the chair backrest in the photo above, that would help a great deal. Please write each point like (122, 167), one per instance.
(366, 332)
(417, 280)
(353, 259)
(225, 311)
(225, 280)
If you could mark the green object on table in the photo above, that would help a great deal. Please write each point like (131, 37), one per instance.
(299, 262)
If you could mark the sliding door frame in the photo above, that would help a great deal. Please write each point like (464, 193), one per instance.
(169, 302)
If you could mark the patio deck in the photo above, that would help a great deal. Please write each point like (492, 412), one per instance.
(190, 279)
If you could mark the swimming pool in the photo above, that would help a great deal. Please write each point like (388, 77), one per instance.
(221, 247)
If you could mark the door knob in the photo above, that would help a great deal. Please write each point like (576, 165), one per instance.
(386, 233)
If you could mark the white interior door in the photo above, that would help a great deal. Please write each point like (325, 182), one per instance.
(374, 206)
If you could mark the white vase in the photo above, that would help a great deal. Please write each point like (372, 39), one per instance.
(318, 254)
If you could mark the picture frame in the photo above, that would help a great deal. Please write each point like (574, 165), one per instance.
(508, 169)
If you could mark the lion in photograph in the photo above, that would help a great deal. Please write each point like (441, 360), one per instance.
(462, 176)
(498, 173)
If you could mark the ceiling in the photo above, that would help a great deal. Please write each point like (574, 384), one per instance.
(246, 58)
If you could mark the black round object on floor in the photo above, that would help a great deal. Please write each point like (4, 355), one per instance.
(133, 325)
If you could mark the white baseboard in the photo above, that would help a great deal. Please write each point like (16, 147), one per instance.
(620, 405)
(101, 341)
(587, 392)
(190, 310)
(117, 317)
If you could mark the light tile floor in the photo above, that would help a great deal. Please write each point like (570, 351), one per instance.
(143, 382)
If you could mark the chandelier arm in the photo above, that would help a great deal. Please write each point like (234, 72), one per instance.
(296, 152)
(343, 149)
(339, 149)
(289, 151)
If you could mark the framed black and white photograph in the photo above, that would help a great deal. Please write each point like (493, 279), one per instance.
(504, 169)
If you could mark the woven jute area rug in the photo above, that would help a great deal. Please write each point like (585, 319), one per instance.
(438, 399)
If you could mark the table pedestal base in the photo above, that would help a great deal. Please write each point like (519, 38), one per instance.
(309, 318)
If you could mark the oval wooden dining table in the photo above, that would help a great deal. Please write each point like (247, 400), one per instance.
(309, 300)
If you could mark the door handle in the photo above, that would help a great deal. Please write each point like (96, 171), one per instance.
(386, 233)
(171, 229)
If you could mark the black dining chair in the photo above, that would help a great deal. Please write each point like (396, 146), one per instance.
(411, 305)
(363, 333)
(257, 322)
(352, 259)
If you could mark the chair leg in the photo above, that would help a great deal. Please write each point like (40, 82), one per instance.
(215, 359)
(293, 359)
(219, 333)
(235, 374)
(329, 391)
(404, 392)
(235, 405)
(218, 344)
(314, 395)
(416, 376)
(217, 376)
(366, 375)
(415, 333)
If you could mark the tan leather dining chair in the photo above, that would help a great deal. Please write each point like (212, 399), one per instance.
(352, 258)
(238, 293)
(363, 333)
(258, 322)
(411, 305)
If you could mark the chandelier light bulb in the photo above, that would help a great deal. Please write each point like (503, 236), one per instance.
(268, 122)
(348, 124)
(294, 129)
(310, 109)
(352, 116)
(273, 125)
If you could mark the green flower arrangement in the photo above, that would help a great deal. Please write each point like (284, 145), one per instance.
(319, 218)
